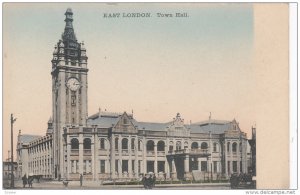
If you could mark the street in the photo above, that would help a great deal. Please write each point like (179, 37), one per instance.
(92, 185)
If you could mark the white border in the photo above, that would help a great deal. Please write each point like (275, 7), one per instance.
(293, 93)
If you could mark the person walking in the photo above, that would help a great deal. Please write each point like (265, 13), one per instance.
(150, 182)
(144, 182)
(81, 178)
(154, 180)
(24, 178)
(30, 181)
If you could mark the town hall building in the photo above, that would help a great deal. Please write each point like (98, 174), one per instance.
(107, 145)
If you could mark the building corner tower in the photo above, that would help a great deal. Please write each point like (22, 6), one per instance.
(69, 90)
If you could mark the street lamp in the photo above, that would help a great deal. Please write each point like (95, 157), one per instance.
(12, 120)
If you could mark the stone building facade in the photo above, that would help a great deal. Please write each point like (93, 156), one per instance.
(116, 146)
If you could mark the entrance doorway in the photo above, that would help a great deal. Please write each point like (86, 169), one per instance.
(179, 163)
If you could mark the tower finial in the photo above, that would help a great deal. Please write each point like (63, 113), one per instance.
(209, 115)
(69, 31)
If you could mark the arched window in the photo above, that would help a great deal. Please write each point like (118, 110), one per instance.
(194, 145)
(178, 145)
(161, 146)
(132, 144)
(124, 144)
(87, 143)
(216, 147)
(102, 143)
(116, 143)
(234, 147)
(204, 145)
(150, 145)
(228, 147)
(186, 144)
(74, 144)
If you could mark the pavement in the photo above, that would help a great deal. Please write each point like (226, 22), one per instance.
(96, 185)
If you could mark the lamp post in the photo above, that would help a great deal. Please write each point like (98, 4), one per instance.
(12, 120)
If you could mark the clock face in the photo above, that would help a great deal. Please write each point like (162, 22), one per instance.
(73, 84)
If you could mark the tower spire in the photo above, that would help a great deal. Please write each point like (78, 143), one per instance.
(69, 31)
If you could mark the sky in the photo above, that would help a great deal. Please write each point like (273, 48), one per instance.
(155, 67)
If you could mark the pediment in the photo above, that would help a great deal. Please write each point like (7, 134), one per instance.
(125, 124)
(177, 127)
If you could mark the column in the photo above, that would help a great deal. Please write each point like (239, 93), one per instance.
(130, 165)
(112, 157)
(167, 167)
(136, 162)
(84, 107)
(187, 174)
(244, 156)
(225, 158)
(167, 170)
(80, 153)
(174, 173)
(199, 164)
(144, 162)
(93, 156)
(155, 159)
(68, 161)
(238, 157)
(120, 157)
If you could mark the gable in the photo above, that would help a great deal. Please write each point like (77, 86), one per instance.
(125, 124)
(177, 128)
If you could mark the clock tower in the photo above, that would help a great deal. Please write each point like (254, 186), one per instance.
(69, 89)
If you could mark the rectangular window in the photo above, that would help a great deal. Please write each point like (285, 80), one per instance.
(204, 166)
(84, 166)
(234, 166)
(132, 144)
(170, 148)
(102, 145)
(117, 166)
(102, 166)
(241, 166)
(228, 167)
(132, 165)
(124, 166)
(161, 166)
(215, 166)
(116, 144)
(139, 166)
(150, 166)
(72, 166)
(77, 166)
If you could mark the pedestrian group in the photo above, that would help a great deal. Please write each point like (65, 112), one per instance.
(28, 181)
(149, 182)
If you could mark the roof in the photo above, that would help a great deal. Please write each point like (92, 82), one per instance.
(109, 119)
(103, 121)
(216, 128)
(211, 121)
(28, 138)
(151, 126)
